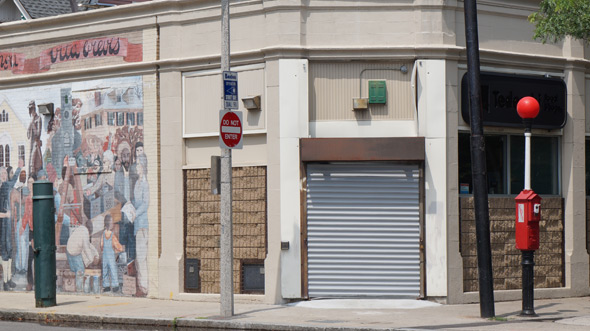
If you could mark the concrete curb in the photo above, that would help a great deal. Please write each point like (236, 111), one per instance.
(41, 317)
(137, 323)
(235, 325)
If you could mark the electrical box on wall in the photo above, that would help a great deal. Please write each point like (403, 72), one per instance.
(377, 91)
(191, 276)
(360, 104)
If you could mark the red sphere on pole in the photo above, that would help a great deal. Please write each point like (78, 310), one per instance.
(528, 108)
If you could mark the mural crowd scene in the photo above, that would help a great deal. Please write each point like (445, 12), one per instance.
(87, 139)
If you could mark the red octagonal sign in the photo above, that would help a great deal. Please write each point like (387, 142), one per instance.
(230, 129)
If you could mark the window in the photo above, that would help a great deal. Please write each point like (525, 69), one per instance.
(544, 165)
(120, 119)
(88, 123)
(7, 155)
(111, 118)
(130, 118)
(97, 99)
(97, 119)
(140, 119)
(21, 152)
(4, 116)
(505, 164)
(2, 156)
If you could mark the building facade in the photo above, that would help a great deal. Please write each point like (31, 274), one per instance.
(353, 180)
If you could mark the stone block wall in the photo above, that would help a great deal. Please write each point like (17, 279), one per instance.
(203, 224)
(506, 259)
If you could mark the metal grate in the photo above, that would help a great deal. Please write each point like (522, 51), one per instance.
(253, 277)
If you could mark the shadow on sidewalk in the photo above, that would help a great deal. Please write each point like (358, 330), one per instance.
(505, 324)
(244, 314)
(537, 308)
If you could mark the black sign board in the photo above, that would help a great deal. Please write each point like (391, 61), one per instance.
(501, 92)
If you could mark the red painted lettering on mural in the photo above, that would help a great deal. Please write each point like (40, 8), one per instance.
(72, 51)
(11, 61)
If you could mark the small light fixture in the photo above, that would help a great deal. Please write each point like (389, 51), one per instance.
(46, 108)
(252, 103)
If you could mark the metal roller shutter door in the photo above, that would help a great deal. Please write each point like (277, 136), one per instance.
(363, 230)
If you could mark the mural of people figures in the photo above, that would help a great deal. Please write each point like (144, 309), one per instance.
(27, 226)
(133, 175)
(34, 134)
(18, 198)
(141, 202)
(65, 204)
(80, 251)
(77, 123)
(105, 180)
(123, 190)
(92, 150)
(110, 246)
(6, 235)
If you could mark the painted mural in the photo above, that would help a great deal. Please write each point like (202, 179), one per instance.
(113, 46)
(87, 139)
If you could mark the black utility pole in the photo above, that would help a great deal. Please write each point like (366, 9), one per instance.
(478, 166)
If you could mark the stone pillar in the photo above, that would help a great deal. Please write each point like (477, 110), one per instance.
(573, 173)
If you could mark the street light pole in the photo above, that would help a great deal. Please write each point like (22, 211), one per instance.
(478, 166)
(226, 285)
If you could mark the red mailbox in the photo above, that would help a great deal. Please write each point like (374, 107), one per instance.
(528, 215)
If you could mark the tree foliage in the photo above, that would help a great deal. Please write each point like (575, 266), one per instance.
(559, 18)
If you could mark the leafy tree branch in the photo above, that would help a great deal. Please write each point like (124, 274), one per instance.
(559, 18)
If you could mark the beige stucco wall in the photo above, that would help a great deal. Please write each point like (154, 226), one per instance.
(336, 84)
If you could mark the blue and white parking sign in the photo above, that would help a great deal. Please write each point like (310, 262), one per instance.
(230, 90)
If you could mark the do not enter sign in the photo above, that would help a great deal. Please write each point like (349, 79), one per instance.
(230, 129)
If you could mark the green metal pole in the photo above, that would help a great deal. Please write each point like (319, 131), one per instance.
(44, 244)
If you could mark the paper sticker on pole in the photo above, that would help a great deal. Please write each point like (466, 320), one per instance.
(230, 129)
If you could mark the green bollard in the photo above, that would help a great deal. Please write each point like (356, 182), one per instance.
(44, 244)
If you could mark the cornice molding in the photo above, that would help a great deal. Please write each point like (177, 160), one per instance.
(487, 57)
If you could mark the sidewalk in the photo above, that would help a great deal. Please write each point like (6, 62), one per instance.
(554, 314)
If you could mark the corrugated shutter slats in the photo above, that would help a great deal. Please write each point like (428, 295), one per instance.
(363, 230)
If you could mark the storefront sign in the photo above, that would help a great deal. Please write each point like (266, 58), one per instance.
(501, 92)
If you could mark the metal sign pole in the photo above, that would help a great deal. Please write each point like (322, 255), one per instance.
(226, 289)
